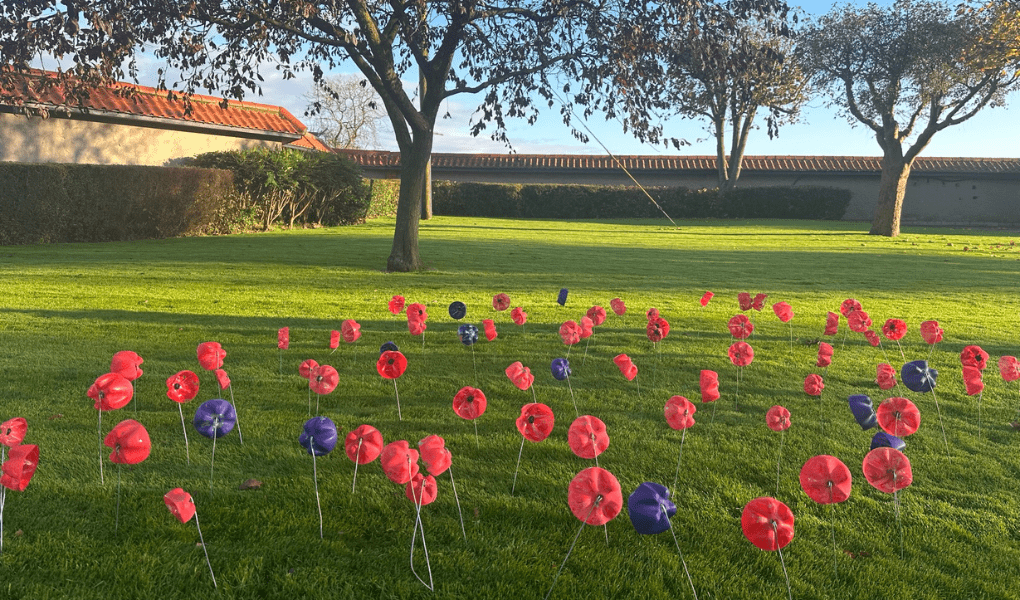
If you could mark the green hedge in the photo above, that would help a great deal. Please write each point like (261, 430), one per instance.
(97, 203)
(618, 202)
(384, 194)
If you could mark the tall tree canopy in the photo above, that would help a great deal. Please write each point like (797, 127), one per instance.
(908, 71)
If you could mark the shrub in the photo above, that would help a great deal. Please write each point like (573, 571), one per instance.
(384, 194)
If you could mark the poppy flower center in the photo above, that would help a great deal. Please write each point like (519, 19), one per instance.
(470, 398)
(389, 362)
(177, 386)
(531, 420)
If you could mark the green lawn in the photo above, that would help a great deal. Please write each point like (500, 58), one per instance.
(67, 309)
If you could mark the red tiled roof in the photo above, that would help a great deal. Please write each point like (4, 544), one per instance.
(309, 142)
(150, 104)
(636, 163)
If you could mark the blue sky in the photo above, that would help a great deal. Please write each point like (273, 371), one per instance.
(992, 133)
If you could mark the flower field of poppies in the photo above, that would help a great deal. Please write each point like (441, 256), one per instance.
(274, 302)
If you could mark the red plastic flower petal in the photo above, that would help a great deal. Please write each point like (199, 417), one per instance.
(974, 356)
(741, 354)
(520, 375)
(858, 321)
(972, 378)
(130, 442)
(351, 330)
(435, 455)
(652, 313)
(180, 504)
(490, 329)
(112, 391)
(396, 304)
(679, 412)
(824, 355)
(12, 431)
(416, 327)
(501, 302)
(618, 307)
(182, 387)
(898, 416)
(518, 316)
(783, 310)
(587, 436)
(849, 306)
(597, 314)
(825, 479)
(626, 365)
(887, 469)
(283, 338)
(323, 379)
(570, 332)
(708, 382)
(587, 327)
(767, 523)
(740, 327)
(758, 302)
(931, 332)
(657, 329)
(872, 338)
(706, 298)
(536, 421)
(334, 339)
(778, 418)
(421, 489)
(125, 363)
(416, 312)
(399, 461)
(744, 300)
(210, 355)
(813, 385)
(594, 496)
(391, 364)
(305, 370)
(19, 467)
(885, 376)
(364, 444)
(831, 323)
(1009, 368)
(469, 403)
(894, 329)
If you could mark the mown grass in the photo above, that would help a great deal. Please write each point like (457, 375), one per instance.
(67, 309)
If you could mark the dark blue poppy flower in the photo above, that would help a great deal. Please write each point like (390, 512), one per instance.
(864, 411)
(650, 508)
(560, 368)
(388, 347)
(562, 298)
(468, 334)
(883, 439)
(215, 418)
(319, 436)
(458, 310)
(918, 376)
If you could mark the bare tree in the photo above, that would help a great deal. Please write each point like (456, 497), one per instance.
(345, 112)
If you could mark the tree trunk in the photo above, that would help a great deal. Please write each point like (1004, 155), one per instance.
(413, 161)
(891, 189)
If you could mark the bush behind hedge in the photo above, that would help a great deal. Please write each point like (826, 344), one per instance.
(558, 201)
(51, 202)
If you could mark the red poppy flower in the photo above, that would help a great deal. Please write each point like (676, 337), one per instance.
(974, 356)
(536, 421)
(421, 489)
(570, 332)
(657, 329)
(416, 312)
(849, 306)
(334, 339)
(364, 444)
(469, 403)
(885, 376)
(706, 298)
(894, 329)
(12, 431)
(618, 307)
(680, 412)
(931, 332)
(767, 523)
(501, 302)
(741, 327)
(1009, 368)
(858, 321)
(872, 338)
(305, 370)
(758, 302)
(399, 461)
(125, 363)
(778, 418)
(180, 504)
(594, 496)
(130, 443)
(587, 327)
(898, 416)
(435, 455)
(113, 391)
(831, 323)
(520, 375)
(652, 313)
(396, 304)
(323, 379)
(972, 378)
(391, 364)
(211, 355)
(416, 327)
(825, 479)
(887, 469)
(283, 338)
(182, 387)
(490, 329)
(351, 330)
(783, 310)
(813, 385)
(741, 354)
(587, 436)
(19, 467)
(518, 316)
(626, 365)
(744, 300)
(824, 355)
(709, 384)
(597, 314)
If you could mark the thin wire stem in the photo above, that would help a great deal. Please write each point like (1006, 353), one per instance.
(116, 520)
(99, 430)
(518, 468)
(357, 455)
(212, 462)
(574, 543)
(397, 394)
(237, 420)
(187, 452)
(676, 476)
(941, 424)
(414, 532)
(782, 561)
(832, 523)
(204, 549)
(681, 554)
(455, 497)
(574, 402)
(315, 478)
(779, 458)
